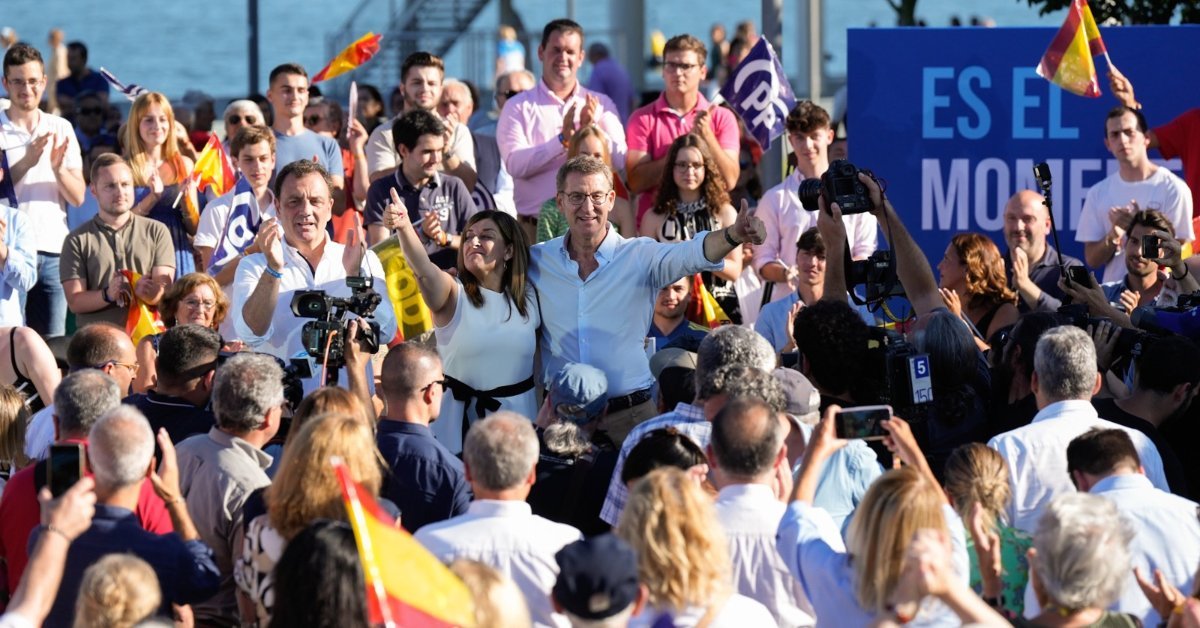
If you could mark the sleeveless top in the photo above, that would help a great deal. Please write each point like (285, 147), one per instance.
(683, 223)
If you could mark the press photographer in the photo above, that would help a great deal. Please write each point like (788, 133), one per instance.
(305, 258)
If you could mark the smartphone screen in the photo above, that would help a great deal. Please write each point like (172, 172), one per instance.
(863, 422)
(1079, 275)
(64, 467)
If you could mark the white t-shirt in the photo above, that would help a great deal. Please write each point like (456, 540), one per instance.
(382, 154)
(1162, 191)
(37, 191)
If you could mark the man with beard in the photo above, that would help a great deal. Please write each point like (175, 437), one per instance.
(1033, 265)
(1144, 283)
(1165, 377)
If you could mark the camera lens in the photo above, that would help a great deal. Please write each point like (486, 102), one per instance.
(809, 193)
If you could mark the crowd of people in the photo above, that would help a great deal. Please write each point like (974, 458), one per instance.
(635, 404)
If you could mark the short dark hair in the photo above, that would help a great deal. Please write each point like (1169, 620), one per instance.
(833, 339)
(1025, 335)
(421, 59)
(80, 47)
(286, 68)
(811, 242)
(1166, 362)
(186, 353)
(1100, 452)
(1120, 110)
(401, 374)
(563, 25)
(95, 344)
(407, 131)
(746, 437)
(1154, 219)
(321, 578)
(250, 135)
(104, 161)
(301, 168)
(20, 54)
(807, 117)
(676, 385)
(666, 447)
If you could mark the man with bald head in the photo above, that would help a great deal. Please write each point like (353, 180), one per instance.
(1033, 265)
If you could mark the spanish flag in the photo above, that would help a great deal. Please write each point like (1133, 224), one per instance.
(212, 170)
(704, 309)
(406, 585)
(142, 320)
(412, 314)
(350, 57)
(1068, 61)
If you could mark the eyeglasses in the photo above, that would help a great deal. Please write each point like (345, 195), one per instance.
(671, 66)
(241, 119)
(684, 166)
(133, 368)
(313, 119)
(207, 304)
(91, 111)
(512, 92)
(576, 199)
(34, 82)
(436, 382)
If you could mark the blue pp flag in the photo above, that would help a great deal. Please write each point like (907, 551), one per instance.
(131, 91)
(240, 228)
(8, 192)
(759, 92)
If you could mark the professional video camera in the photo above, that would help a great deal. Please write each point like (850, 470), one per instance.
(1183, 318)
(1129, 341)
(294, 374)
(877, 274)
(896, 375)
(839, 185)
(325, 338)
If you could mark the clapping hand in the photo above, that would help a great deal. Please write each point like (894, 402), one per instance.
(587, 116)
(266, 239)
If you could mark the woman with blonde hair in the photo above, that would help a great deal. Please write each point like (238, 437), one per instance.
(118, 591)
(976, 482)
(160, 173)
(498, 601)
(856, 581)
(304, 490)
(14, 417)
(590, 140)
(974, 285)
(195, 298)
(683, 557)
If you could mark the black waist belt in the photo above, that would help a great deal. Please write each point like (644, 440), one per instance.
(485, 400)
(637, 397)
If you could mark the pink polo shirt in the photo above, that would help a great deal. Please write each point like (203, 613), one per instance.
(527, 135)
(652, 128)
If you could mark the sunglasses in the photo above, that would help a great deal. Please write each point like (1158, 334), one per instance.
(310, 120)
(512, 92)
(241, 119)
(91, 111)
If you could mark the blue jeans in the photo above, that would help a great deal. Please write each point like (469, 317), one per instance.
(46, 304)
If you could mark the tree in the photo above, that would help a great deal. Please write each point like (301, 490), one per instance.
(1130, 11)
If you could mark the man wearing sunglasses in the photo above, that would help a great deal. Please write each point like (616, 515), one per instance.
(238, 114)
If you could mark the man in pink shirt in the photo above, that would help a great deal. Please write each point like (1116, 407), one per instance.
(681, 108)
(536, 126)
(810, 135)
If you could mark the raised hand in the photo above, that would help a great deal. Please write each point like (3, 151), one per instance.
(987, 551)
(354, 251)
(1163, 595)
(587, 116)
(266, 239)
(748, 227)
(1020, 266)
(431, 226)
(395, 215)
(156, 183)
(568, 125)
(952, 301)
(1122, 88)
(33, 152)
(356, 135)
(58, 154)
(1128, 300)
(72, 512)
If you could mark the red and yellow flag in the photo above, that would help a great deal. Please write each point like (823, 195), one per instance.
(212, 170)
(350, 57)
(406, 585)
(142, 320)
(1068, 61)
(704, 309)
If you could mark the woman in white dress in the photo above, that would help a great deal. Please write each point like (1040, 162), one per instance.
(485, 319)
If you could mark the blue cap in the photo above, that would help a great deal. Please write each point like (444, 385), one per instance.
(579, 393)
(597, 577)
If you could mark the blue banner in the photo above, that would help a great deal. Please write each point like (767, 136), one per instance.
(955, 118)
(759, 92)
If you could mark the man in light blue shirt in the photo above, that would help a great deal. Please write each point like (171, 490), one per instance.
(596, 289)
(18, 265)
(1167, 538)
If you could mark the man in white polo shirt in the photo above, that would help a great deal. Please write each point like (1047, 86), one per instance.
(47, 172)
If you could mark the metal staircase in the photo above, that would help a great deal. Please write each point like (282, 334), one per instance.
(432, 25)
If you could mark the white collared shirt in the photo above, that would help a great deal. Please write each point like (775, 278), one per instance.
(1037, 457)
(509, 537)
(1167, 537)
(37, 191)
(282, 338)
(750, 515)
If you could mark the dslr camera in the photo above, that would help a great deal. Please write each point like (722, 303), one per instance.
(325, 337)
(839, 185)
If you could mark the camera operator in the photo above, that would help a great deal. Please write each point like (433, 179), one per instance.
(304, 258)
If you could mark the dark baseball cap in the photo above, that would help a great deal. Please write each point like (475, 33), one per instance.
(597, 577)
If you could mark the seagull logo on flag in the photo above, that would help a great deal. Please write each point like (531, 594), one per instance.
(759, 92)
